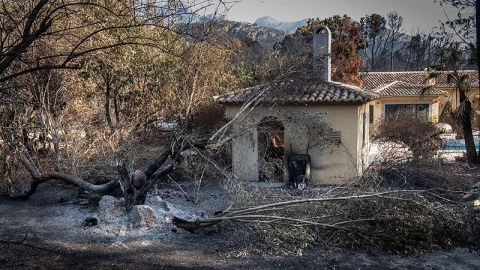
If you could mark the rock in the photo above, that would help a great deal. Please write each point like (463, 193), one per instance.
(164, 205)
(474, 204)
(109, 208)
(142, 216)
(91, 221)
(167, 206)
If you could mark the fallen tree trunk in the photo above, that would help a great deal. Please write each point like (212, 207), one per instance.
(39, 178)
(134, 186)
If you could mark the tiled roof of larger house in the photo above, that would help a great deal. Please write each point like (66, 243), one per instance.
(373, 80)
(403, 89)
(299, 91)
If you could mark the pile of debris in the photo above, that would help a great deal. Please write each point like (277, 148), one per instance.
(404, 222)
(156, 213)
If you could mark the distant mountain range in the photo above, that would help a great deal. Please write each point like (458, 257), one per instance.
(264, 35)
(266, 30)
(226, 31)
(287, 27)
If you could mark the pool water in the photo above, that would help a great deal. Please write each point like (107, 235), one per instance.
(458, 145)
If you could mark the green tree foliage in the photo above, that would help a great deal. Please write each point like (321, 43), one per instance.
(248, 56)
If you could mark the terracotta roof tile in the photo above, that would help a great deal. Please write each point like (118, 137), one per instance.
(403, 89)
(300, 91)
(373, 80)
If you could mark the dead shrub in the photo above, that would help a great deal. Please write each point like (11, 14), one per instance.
(408, 226)
(446, 180)
(207, 117)
(419, 135)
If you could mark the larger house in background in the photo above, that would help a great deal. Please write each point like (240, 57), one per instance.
(401, 92)
(344, 106)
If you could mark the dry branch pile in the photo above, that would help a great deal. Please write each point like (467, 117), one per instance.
(403, 222)
(446, 180)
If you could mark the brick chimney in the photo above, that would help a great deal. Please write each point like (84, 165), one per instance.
(322, 51)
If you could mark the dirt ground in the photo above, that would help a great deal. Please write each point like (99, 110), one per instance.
(58, 239)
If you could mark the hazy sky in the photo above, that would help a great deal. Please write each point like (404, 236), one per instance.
(424, 14)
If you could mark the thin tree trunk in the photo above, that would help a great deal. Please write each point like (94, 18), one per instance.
(472, 156)
(116, 107)
(192, 97)
(408, 61)
(429, 51)
(477, 18)
(108, 91)
(26, 140)
(391, 53)
(373, 52)
(58, 158)
(469, 142)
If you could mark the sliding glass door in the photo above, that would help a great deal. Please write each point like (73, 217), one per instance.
(418, 110)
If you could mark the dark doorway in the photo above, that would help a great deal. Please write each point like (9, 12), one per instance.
(271, 149)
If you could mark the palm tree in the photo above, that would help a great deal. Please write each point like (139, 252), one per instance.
(464, 111)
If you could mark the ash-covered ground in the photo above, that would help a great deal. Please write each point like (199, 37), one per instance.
(58, 238)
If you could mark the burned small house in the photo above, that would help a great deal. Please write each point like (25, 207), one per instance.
(305, 119)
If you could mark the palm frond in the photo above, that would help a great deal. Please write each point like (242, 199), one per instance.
(451, 78)
(463, 83)
(462, 112)
(426, 90)
(447, 109)
(432, 75)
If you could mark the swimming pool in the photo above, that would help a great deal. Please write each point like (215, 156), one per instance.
(456, 145)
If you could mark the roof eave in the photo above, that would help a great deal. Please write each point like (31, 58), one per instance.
(413, 96)
(297, 103)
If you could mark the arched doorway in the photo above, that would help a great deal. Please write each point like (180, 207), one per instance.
(271, 152)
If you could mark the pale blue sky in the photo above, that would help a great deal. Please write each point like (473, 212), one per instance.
(424, 14)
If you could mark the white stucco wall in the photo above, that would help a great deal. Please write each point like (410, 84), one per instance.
(335, 164)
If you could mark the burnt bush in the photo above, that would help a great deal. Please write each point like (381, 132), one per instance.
(447, 180)
(409, 225)
(418, 135)
(207, 117)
